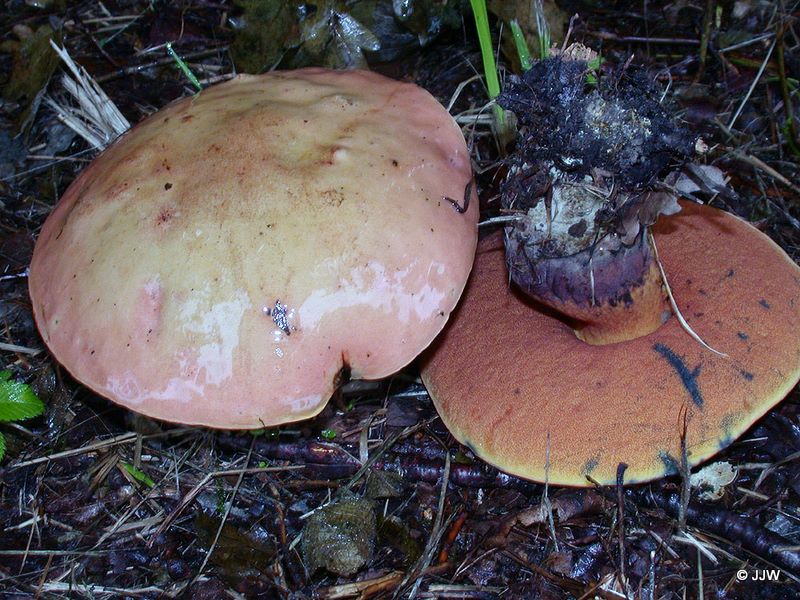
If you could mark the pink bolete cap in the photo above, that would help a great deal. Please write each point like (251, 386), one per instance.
(226, 259)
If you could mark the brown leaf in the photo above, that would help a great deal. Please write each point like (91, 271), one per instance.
(643, 211)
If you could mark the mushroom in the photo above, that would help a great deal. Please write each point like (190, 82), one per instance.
(230, 258)
(512, 380)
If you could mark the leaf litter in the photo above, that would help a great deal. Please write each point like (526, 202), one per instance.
(77, 522)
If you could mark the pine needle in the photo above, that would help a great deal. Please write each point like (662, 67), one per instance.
(674, 304)
(95, 117)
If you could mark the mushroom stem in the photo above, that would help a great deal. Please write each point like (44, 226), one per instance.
(643, 309)
(607, 292)
(584, 175)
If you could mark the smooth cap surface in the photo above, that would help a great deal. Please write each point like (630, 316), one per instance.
(226, 258)
(510, 380)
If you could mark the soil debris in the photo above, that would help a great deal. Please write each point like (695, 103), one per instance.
(74, 525)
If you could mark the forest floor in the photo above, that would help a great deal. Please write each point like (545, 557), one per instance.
(98, 502)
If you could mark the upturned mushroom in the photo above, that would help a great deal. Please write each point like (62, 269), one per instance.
(228, 259)
(512, 380)
(593, 368)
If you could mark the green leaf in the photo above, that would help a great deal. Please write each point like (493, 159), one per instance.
(17, 400)
(595, 63)
(138, 475)
(328, 434)
(593, 66)
(2, 446)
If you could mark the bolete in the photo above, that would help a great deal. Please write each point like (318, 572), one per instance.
(594, 368)
(228, 258)
(513, 381)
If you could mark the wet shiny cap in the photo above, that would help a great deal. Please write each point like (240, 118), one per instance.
(227, 258)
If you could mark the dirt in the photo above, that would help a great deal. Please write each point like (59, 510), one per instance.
(97, 502)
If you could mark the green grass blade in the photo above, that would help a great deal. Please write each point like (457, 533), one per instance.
(138, 474)
(521, 45)
(487, 54)
(543, 29)
(184, 67)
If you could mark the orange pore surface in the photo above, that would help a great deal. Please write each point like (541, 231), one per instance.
(512, 382)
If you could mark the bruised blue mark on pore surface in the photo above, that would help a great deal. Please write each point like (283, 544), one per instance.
(589, 466)
(670, 464)
(729, 425)
(688, 378)
(764, 303)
